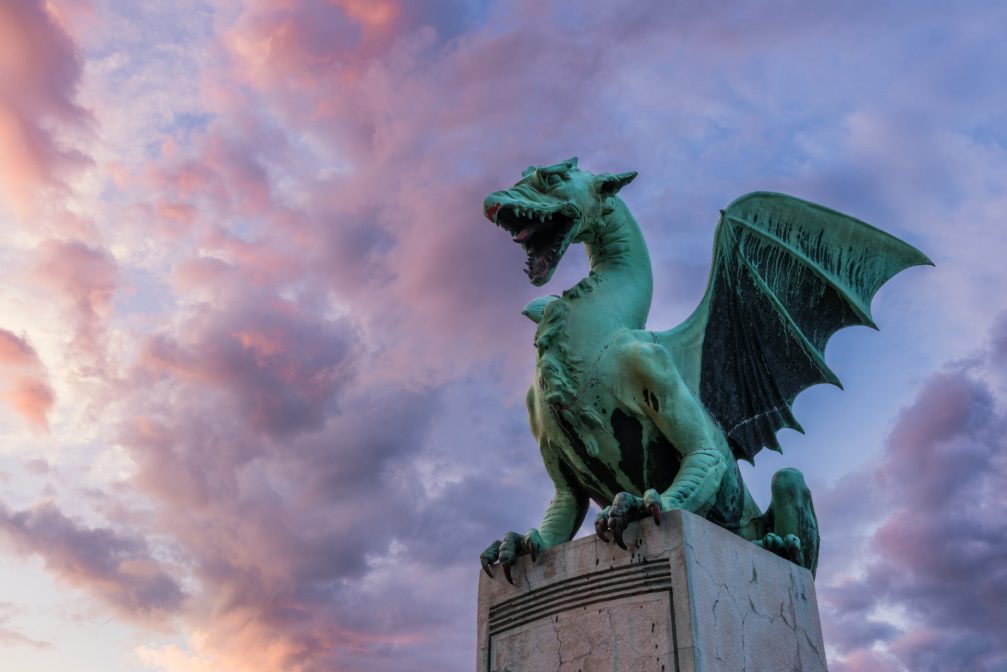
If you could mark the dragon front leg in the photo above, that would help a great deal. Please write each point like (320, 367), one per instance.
(694, 489)
(651, 386)
(563, 517)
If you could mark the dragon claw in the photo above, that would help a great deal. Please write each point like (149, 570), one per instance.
(601, 523)
(772, 543)
(533, 544)
(506, 552)
(652, 500)
(489, 556)
(787, 547)
(617, 523)
(792, 545)
(627, 507)
(617, 533)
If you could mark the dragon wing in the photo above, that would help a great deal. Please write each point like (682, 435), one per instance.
(787, 274)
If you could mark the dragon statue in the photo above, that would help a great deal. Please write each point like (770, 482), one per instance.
(647, 421)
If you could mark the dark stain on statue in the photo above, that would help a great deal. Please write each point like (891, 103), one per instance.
(602, 473)
(663, 462)
(628, 432)
(651, 400)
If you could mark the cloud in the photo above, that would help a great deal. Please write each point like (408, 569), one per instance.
(26, 387)
(16, 351)
(281, 366)
(931, 584)
(10, 636)
(117, 568)
(39, 73)
(279, 529)
(31, 398)
(271, 470)
(296, 541)
(84, 279)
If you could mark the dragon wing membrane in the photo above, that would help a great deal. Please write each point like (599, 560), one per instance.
(786, 275)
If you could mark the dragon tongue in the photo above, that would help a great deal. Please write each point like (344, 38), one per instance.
(524, 233)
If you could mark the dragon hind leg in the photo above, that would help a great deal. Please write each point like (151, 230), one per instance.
(791, 527)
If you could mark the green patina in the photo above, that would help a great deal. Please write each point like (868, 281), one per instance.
(641, 421)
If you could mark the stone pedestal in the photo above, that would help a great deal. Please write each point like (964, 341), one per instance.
(688, 596)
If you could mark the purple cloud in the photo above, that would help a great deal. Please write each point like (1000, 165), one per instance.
(117, 568)
(938, 554)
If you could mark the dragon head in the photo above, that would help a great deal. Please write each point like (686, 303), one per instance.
(551, 207)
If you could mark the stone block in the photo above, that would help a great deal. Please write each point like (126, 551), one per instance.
(688, 596)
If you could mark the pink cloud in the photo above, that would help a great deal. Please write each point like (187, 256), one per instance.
(402, 253)
(299, 41)
(32, 399)
(39, 72)
(182, 213)
(16, 351)
(281, 367)
(74, 16)
(24, 387)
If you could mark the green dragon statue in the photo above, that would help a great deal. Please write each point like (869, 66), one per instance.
(642, 421)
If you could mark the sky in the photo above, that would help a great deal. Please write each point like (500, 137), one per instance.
(262, 363)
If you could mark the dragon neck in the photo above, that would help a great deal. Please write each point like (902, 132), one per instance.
(617, 292)
(613, 297)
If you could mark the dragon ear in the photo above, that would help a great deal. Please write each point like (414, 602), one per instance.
(609, 185)
(571, 162)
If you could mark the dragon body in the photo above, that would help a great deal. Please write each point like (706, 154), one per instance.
(642, 422)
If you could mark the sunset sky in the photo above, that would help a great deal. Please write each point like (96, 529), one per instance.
(262, 363)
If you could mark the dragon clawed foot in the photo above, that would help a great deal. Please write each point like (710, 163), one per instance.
(787, 547)
(626, 508)
(506, 551)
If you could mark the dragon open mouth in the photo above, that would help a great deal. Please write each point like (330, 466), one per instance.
(544, 233)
